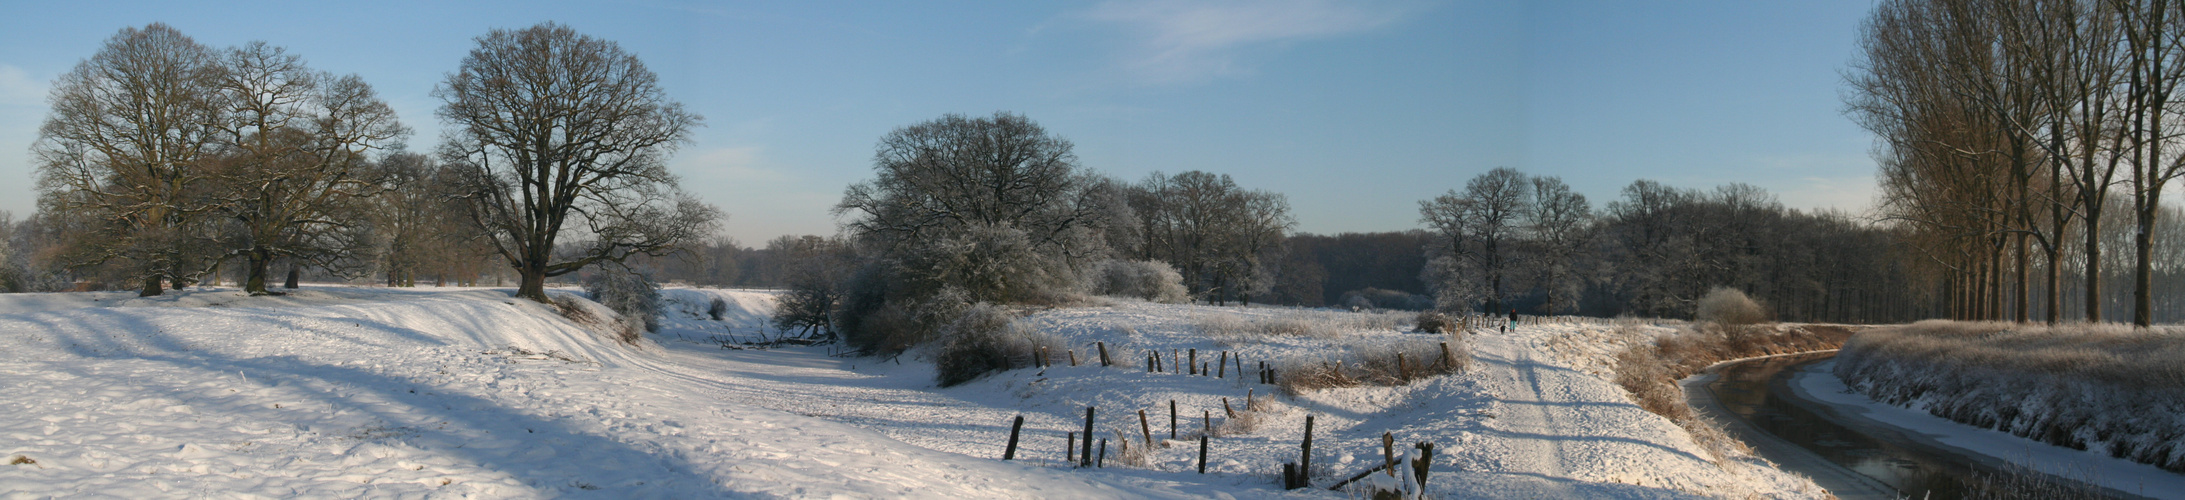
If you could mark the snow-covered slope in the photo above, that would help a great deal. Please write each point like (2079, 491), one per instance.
(348, 392)
(370, 393)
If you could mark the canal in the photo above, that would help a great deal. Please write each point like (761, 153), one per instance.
(1853, 457)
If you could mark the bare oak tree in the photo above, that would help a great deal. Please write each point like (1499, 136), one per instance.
(558, 132)
(293, 166)
(121, 148)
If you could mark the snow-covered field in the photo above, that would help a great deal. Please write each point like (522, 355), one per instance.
(368, 392)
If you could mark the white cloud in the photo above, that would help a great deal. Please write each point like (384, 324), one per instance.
(1191, 41)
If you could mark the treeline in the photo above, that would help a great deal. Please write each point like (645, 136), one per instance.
(1512, 242)
(164, 162)
(2027, 145)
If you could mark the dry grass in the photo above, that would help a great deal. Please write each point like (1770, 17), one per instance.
(1381, 365)
(1651, 372)
(1231, 329)
(2106, 387)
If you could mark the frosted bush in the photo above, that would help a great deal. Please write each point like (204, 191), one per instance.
(1145, 279)
(985, 339)
(1729, 307)
(631, 295)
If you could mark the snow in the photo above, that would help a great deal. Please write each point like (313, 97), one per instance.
(371, 392)
(1818, 382)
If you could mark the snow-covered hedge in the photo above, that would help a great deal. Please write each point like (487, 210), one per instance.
(2109, 388)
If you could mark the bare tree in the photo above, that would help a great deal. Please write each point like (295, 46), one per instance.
(561, 134)
(121, 148)
(292, 168)
(1223, 239)
(1560, 223)
(1478, 230)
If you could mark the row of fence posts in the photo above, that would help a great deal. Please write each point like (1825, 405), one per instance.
(1295, 475)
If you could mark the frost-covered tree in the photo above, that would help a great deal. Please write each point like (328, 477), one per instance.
(121, 152)
(561, 136)
(631, 294)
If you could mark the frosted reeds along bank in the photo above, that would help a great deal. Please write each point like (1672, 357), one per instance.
(2103, 387)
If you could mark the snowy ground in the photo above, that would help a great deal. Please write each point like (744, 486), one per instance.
(1818, 382)
(366, 392)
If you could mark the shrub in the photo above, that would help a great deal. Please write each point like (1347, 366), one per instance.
(984, 339)
(1434, 322)
(717, 309)
(1375, 298)
(808, 306)
(1728, 306)
(1145, 279)
(631, 295)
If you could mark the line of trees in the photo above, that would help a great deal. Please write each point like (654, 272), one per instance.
(1513, 242)
(163, 159)
(2012, 132)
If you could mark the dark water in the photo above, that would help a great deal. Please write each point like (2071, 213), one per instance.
(1753, 390)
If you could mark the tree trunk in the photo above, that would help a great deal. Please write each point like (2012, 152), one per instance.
(2093, 267)
(2143, 307)
(2019, 295)
(151, 286)
(534, 284)
(294, 273)
(255, 284)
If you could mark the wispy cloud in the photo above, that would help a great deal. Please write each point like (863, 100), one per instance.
(1192, 41)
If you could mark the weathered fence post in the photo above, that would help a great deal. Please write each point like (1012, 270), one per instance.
(1069, 447)
(1073, 356)
(1445, 357)
(1144, 429)
(1149, 363)
(1222, 366)
(1305, 465)
(1104, 354)
(1388, 452)
(1202, 453)
(1085, 456)
(1226, 410)
(1194, 361)
(1172, 419)
(1425, 462)
(1103, 461)
(1011, 452)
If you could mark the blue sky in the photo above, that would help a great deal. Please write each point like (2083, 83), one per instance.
(1355, 110)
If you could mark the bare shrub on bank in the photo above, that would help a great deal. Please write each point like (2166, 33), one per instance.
(1434, 322)
(987, 338)
(632, 295)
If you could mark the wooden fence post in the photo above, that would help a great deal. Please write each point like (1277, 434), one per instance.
(1103, 461)
(1069, 447)
(1226, 410)
(1305, 465)
(1011, 452)
(1202, 453)
(1104, 354)
(1085, 456)
(1172, 419)
(1144, 429)
(1222, 370)
(1194, 361)
(1073, 356)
